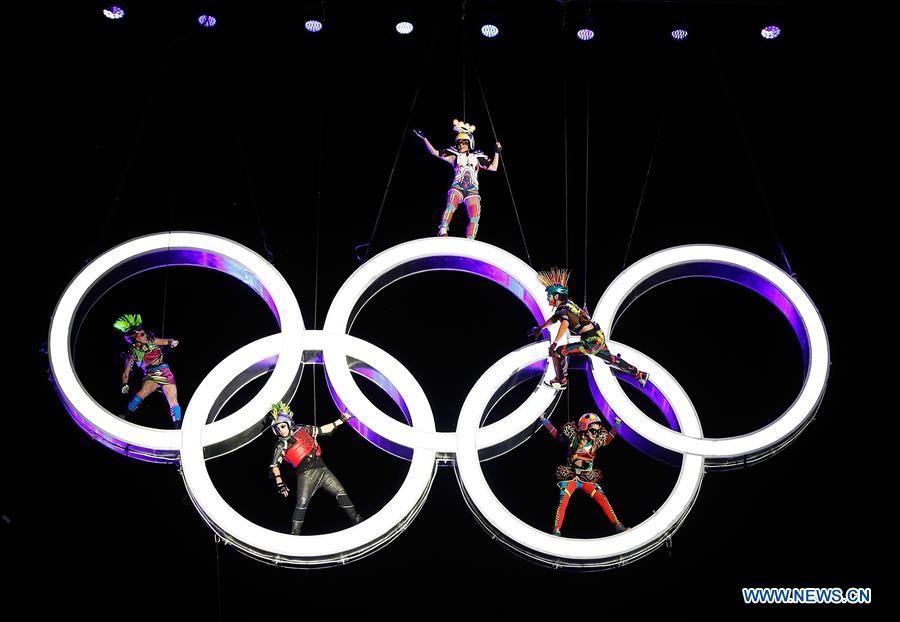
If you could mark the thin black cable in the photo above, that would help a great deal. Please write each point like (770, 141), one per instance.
(318, 231)
(760, 189)
(587, 174)
(462, 33)
(217, 540)
(412, 107)
(505, 166)
(643, 189)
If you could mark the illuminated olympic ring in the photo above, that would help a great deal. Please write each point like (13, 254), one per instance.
(286, 353)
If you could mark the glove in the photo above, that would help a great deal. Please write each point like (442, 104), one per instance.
(173, 343)
(124, 389)
(553, 349)
(535, 332)
(282, 489)
(499, 148)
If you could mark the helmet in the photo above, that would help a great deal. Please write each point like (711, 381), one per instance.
(586, 420)
(466, 137)
(562, 290)
(281, 413)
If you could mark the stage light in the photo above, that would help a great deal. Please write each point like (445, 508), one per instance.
(313, 25)
(404, 28)
(207, 21)
(585, 34)
(114, 12)
(490, 31)
(770, 32)
(679, 34)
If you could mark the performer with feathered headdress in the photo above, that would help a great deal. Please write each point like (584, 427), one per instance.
(577, 320)
(299, 445)
(466, 164)
(146, 351)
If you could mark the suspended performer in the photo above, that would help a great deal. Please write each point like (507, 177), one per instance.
(146, 351)
(582, 443)
(573, 318)
(466, 164)
(299, 445)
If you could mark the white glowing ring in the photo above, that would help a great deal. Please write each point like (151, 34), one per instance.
(410, 258)
(574, 552)
(145, 253)
(320, 550)
(679, 262)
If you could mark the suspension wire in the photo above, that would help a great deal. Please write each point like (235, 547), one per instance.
(760, 189)
(587, 172)
(217, 541)
(251, 192)
(565, 105)
(637, 212)
(505, 165)
(366, 246)
(321, 157)
(462, 33)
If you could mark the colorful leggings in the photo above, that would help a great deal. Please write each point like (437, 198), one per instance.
(469, 195)
(568, 487)
(590, 346)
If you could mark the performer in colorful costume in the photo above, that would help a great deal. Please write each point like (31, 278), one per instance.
(577, 320)
(298, 444)
(145, 350)
(582, 443)
(466, 164)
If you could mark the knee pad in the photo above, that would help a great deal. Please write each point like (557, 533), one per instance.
(134, 403)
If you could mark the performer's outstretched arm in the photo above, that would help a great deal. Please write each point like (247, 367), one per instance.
(165, 342)
(328, 428)
(496, 163)
(431, 149)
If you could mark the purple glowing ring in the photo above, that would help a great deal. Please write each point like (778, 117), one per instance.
(745, 269)
(155, 251)
(553, 550)
(320, 550)
(413, 257)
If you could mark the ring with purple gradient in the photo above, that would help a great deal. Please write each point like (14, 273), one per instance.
(159, 250)
(748, 270)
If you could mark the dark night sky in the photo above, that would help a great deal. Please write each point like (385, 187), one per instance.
(252, 129)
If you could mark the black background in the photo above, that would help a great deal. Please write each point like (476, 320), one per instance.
(258, 131)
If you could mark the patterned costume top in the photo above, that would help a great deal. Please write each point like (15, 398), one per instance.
(580, 451)
(301, 434)
(466, 166)
(146, 355)
(578, 319)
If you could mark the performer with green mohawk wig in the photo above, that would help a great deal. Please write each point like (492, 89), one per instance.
(577, 320)
(298, 444)
(145, 350)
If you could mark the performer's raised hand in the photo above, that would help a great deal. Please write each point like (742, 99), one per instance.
(173, 343)
(498, 147)
(124, 389)
(419, 133)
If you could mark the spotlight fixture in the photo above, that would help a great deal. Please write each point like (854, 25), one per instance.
(313, 25)
(680, 34)
(207, 21)
(404, 28)
(114, 12)
(585, 34)
(490, 31)
(770, 32)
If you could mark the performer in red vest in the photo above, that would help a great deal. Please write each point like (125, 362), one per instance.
(298, 445)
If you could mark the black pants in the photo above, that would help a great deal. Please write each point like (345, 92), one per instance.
(311, 480)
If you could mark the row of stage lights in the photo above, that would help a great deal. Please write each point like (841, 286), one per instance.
(404, 28)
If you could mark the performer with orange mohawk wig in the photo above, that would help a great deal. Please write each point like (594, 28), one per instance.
(573, 318)
(466, 164)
